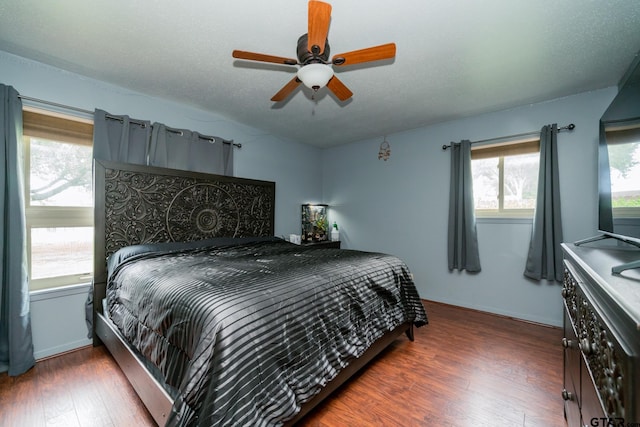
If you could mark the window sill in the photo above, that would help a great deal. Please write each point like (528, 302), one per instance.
(59, 292)
(503, 220)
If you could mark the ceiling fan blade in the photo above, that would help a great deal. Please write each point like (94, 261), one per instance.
(376, 53)
(319, 17)
(286, 90)
(240, 54)
(338, 88)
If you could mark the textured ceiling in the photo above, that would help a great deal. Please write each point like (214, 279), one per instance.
(455, 58)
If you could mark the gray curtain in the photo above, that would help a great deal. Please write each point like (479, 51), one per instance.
(544, 260)
(462, 237)
(120, 139)
(187, 150)
(16, 345)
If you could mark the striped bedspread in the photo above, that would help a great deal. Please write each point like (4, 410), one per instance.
(248, 332)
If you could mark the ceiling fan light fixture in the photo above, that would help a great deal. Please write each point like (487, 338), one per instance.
(315, 76)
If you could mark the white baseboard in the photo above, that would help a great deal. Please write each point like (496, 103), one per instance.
(52, 351)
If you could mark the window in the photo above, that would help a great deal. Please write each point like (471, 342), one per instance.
(58, 199)
(505, 178)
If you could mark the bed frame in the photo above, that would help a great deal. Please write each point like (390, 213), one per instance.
(141, 204)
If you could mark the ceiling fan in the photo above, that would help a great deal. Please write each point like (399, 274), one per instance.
(313, 57)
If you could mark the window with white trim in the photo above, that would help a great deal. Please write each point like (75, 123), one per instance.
(505, 178)
(58, 199)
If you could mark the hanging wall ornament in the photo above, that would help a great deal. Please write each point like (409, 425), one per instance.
(385, 150)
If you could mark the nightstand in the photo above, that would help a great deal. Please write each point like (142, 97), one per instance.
(324, 244)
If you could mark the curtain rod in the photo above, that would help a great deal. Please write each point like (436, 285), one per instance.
(109, 116)
(570, 126)
(207, 138)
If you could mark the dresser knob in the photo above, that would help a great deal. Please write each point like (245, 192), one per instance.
(567, 395)
(566, 343)
(584, 346)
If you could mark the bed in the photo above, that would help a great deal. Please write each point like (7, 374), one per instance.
(215, 321)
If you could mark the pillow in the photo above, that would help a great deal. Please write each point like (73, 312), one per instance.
(127, 252)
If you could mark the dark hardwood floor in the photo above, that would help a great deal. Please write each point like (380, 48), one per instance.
(465, 368)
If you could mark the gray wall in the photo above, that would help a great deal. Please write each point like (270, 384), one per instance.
(400, 206)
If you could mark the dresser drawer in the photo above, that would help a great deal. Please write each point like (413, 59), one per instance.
(590, 400)
(571, 357)
(603, 374)
(571, 390)
(607, 362)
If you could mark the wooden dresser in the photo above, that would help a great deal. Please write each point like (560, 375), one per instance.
(601, 337)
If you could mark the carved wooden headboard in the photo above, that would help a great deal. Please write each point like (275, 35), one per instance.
(142, 204)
